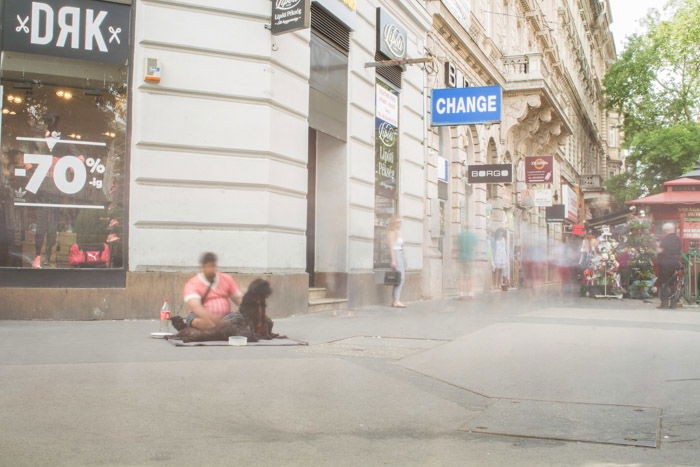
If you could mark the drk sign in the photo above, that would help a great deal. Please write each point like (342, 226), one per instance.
(465, 106)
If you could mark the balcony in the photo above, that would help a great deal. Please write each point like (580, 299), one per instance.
(525, 67)
(592, 183)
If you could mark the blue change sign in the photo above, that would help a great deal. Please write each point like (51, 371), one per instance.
(465, 106)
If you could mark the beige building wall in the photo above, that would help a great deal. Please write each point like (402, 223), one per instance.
(550, 56)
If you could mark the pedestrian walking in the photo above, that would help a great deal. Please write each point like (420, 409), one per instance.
(398, 259)
(467, 246)
(501, 260)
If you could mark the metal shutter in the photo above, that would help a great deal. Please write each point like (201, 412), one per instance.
(390, 73)
(327, 26)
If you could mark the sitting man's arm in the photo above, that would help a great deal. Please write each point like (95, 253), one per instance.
(204, 319)
(237, 298)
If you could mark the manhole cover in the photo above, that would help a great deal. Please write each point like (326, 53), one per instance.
(591, 423)
(392, 348)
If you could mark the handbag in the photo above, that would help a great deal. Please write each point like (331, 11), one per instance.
(89, 255)
(392, 277)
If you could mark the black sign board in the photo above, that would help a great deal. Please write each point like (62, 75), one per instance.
(82, 29)
(490, 173)
(555, 213)
(290, 15)
(392, 39)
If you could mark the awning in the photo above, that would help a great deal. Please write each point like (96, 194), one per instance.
(613, 218)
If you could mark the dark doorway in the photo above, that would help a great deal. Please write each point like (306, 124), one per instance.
(311, 209)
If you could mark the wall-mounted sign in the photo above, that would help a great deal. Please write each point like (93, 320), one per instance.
(290, 15)
(392, 39)
(542, 197)
(386, 140)
(490, 173)
(691, 228)
(454, 78)
(81, 29)
(387, 105)
(570, 199)
(578, 229)
(555, 213)
(539, 169)
(464, 106)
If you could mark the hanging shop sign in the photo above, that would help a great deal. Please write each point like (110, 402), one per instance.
(392, 39)
(555, 213)
(490, 173)
(290, 15)
(466, 106)
(81, 29)
(570, 199)
(542, 197)
(386, 140)
(539, 169)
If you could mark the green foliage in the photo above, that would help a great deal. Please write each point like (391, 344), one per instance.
(655, 85)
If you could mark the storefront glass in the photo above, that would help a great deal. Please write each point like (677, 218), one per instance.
(63, 138)
(386, 168)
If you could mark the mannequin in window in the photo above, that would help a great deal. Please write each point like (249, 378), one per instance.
(46, 217)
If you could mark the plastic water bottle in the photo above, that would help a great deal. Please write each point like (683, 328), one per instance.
(165, 316)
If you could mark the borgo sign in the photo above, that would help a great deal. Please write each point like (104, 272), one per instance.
(464, 106)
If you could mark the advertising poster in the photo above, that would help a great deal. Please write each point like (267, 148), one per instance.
(539, 169)
(542, 197)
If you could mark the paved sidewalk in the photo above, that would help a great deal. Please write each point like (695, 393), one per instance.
(516, 378)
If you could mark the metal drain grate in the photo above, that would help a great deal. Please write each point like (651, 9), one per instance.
(566, 421)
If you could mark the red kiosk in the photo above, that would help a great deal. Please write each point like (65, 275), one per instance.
(680, 203)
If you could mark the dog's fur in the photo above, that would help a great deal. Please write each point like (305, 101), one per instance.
(254, 309)
(224, 330)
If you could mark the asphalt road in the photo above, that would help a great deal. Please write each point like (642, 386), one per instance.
(515, 378)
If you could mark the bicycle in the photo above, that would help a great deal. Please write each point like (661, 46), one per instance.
(678, 287)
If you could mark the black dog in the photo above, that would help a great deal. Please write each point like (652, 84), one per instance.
(253, 308)
(238, 326)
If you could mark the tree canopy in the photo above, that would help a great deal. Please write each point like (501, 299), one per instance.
(655, 85)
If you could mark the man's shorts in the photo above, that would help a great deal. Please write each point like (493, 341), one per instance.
(191, 316)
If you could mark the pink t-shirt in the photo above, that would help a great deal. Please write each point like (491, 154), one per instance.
(217, 302)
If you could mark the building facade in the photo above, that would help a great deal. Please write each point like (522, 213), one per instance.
(550, 58)
(169, 128)
(136, 135)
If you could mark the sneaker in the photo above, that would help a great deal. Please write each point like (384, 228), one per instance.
(37, 263)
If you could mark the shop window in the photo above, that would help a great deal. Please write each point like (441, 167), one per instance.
(63, 164)
(63, 138)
